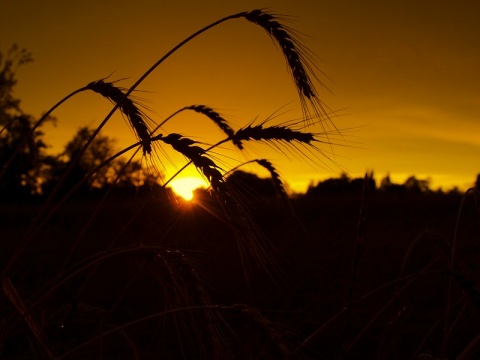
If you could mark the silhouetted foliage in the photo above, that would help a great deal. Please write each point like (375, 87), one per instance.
(414, 185)
(341, 185)
(411, 185)
(249, 184)
(92, 169)
(23, 178)
(477, 183)
(99, 151)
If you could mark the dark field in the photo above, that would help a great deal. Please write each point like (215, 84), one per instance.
(320, 284)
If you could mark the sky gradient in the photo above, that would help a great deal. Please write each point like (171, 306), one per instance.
(402, 76)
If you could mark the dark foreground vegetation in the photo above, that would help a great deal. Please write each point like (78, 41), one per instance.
(342, 284)
(109, 264)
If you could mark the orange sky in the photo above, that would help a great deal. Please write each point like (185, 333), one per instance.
(404, 75)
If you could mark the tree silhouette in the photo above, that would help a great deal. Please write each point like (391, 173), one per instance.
(414, 185)
(119, 173)
(24, 177)
(99, 151)
(411, 185)
(250, 184)
(341, 185)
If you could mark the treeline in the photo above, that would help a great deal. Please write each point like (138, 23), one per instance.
(28, 172)
(344, 184)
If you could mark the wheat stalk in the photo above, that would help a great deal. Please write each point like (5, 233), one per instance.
(275, 344)
(291, 49)
(35, 328)
(273, 335)
(184, 286)
(82, 266)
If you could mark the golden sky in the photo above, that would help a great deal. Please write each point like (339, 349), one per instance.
(403, 76)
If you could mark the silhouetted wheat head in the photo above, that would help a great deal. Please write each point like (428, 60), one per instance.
(128, 108)
(273, 133)
(277, 181)
(218, 120)
(292, 50)
(197, 155)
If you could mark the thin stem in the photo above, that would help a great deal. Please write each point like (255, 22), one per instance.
(453, 254)
(178, 46)
(410, 279)
(97, 209)
(75, 270)
(382, 309)
(146, 318)
(356, 254)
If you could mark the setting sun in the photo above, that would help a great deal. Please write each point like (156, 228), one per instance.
(185, 186)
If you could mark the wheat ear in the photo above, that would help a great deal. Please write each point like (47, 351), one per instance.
(128, 107)
(273, 133)
(296, 56)
(197, 156)
(277, 181)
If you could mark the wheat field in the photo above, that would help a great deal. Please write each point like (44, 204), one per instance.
(234, 274)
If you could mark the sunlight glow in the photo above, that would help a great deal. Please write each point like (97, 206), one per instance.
(185, 186)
